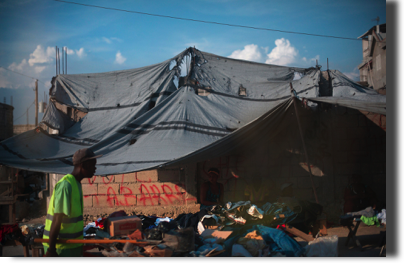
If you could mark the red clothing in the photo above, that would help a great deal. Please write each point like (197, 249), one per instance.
(7, 229)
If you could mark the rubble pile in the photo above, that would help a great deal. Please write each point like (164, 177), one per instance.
(235, 229)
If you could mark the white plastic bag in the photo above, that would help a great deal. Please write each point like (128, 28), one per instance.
(322, 247)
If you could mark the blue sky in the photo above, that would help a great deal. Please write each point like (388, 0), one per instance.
(101, 40)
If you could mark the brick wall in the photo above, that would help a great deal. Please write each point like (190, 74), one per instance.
(21, 128)
(146, 189)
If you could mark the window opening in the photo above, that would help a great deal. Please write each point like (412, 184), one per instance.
(242, 91)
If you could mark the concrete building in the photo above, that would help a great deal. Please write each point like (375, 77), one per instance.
(6, 121)
(373, 67)
(21, 128)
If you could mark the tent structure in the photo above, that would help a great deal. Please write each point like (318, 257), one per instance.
(192, 107)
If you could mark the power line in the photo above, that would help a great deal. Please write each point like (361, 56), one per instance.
(17, 73)
(24, 74)
(207, 22)
(25, 112)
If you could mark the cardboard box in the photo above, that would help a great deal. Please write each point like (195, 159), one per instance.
(124, 225)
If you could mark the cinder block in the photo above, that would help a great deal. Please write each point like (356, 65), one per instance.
(146, 176)
(130, 188)
(171, 188)
(126, 200)
(148, 200)
(89, 189)
(106, 179)
(87, 200)
(108, 188)
(172, 199)
(126, 178)
(89, 180)
(103, 201)
(151, 188)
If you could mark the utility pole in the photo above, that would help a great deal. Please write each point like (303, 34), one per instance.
(36, 104)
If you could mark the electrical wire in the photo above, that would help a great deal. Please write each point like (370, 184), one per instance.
(18, 73)
(205, 21)
(25, 112)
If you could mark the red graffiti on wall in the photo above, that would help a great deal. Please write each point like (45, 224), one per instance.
(147, 193)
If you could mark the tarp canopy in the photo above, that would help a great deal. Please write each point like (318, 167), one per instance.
(151, 117)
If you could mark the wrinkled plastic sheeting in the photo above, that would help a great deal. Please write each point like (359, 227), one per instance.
(232, 206)
(277, 209)
(279, 242)
(55, 119)
(254, 211)
(322, 247)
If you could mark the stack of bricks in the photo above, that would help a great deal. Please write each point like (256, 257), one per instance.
(147, 188)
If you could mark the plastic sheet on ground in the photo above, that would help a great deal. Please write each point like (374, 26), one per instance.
(322, 247)
(280, 242)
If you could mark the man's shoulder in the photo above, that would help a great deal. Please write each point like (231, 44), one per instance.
(64, 184)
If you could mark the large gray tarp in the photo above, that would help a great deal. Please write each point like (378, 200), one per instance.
(138, 119)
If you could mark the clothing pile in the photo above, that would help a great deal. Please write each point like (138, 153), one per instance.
(25, 234)
(368, 216)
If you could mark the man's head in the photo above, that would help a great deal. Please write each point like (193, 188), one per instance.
(84, 161)
(213, 174)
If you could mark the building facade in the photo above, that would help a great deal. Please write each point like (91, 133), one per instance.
(373, 67)
(6, 121)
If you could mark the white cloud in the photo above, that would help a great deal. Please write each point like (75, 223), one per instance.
(41, 56)
(250, 52)
(309, 62)
(108, 41)
(111, 39)
(117, 39)
(18, 67)
(354, 75)
(283, 54)
(69, 51)
(119, 58)
(39, 64)
(39, 69)
(81, 53)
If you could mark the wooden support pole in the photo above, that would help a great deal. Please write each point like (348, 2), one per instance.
(303, 141)
(100, 241)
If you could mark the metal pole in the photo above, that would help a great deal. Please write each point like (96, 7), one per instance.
(63, 61)
(37, 105)
(56, 60)
(59, 63)
(66, 60)
(303, 141)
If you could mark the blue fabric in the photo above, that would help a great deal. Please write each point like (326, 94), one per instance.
(277, 240)
(280, 242)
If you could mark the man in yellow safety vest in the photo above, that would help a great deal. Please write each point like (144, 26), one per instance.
(64, 219)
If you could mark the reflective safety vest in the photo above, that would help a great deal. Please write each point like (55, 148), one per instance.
(72, 226)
